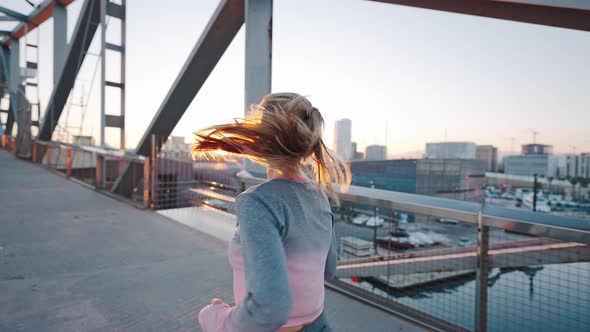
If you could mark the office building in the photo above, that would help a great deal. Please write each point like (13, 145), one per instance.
(537, 159)
(356, 155)
(452, 178)
(343, 138)
(571, 168)
(176, 144)
(450, 150)
(584, 164)
(528, 165)
(376, 152)
(176, 148)
(488, 154)
(395, 175)
(528, 149)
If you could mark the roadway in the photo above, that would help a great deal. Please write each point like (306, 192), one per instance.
(73, 259)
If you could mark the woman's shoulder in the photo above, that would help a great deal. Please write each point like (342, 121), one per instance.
(266, 194)
(272, 189)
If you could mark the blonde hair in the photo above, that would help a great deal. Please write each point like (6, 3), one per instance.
(283, 132)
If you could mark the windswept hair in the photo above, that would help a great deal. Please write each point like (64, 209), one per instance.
(283, 132)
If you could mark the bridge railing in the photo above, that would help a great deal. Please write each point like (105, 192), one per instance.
(460, 265)
(97, 167)
(453, 265)
(449, 264)
(8, 143)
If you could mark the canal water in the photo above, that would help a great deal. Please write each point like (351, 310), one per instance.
(543, 298)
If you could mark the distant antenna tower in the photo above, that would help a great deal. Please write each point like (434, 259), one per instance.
(386, 126)
(573, 147)
(535, 133)
(512, 140)
(386, 137)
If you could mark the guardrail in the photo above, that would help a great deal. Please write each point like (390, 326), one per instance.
(8, 143)
(96, 167)
(479, 252)
(456, 265)
(447, 264)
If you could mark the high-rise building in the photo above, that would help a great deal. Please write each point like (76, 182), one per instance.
(450, 150)
(584, 165)
(343, 138)
(356, 155)
(574, 165)
(571, 168)
(489, 154)
(376, 152)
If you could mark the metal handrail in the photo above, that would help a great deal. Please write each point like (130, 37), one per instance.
(93, 149)
(527, 222)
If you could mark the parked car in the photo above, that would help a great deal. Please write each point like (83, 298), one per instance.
(464, 242)
(360, 219)
(508, 195)
(375, 222)
(399, 232)
(390, 243)
(447, 221)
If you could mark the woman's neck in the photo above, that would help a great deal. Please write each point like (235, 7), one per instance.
(293, 174)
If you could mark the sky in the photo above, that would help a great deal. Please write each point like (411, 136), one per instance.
(404, 76)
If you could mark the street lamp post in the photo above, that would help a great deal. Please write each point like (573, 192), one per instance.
(375, 221)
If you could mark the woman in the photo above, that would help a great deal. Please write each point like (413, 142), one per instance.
(284, 245)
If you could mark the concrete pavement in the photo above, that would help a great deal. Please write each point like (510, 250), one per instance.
(72, 259)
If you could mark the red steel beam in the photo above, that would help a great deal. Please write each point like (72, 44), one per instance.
(536, 13)
(41, 15)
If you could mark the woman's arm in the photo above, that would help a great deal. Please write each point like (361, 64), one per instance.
(268, 302)
(330, 271)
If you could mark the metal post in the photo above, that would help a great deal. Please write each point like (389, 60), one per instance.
(154, 172)
(69, 162)
(60, 30)
(258, 17)
(375, 230)
(122, 75)
(374, 227)
(535, 184)
(99, 171)
(481, 282)
(34, 157)
(14, 81)
(48, 156)
(103, 30)
(146, 182)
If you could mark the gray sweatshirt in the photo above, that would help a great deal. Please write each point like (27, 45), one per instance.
(283, 250)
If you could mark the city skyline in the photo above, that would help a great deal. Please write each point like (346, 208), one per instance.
(417, 154)
(476, 79)
(514, 150)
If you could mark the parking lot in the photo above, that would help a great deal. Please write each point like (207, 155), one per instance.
(424, 224)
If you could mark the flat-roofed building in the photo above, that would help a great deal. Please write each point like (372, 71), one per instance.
(488, 154)
(450, 150)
